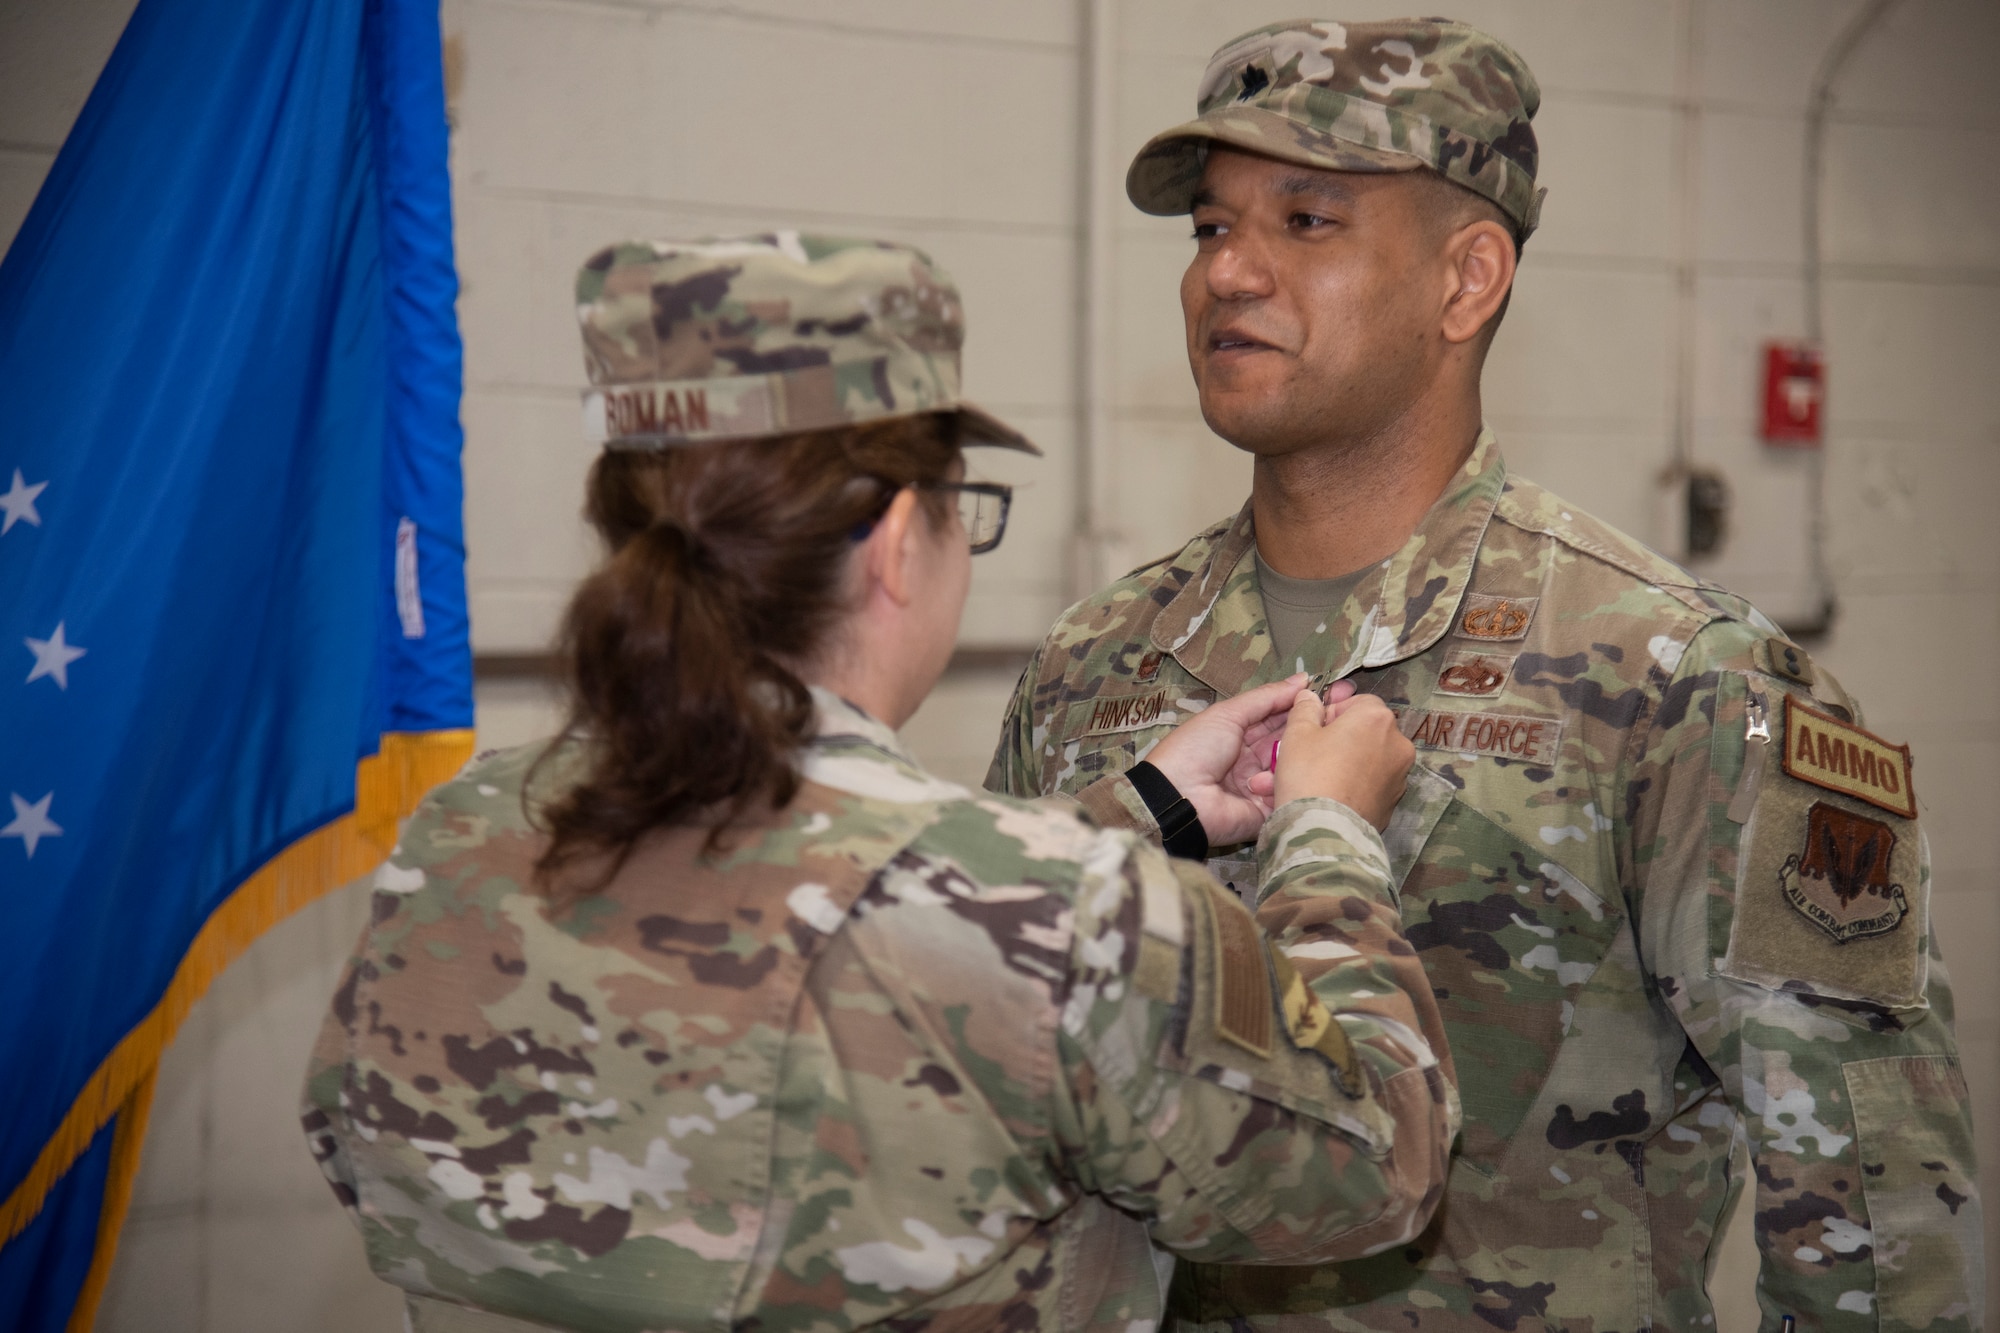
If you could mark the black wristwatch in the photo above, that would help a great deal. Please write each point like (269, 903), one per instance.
(1181, 832)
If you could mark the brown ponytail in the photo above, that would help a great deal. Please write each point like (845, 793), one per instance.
(724, 578)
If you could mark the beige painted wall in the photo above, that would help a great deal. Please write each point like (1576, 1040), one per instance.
(1673, 139)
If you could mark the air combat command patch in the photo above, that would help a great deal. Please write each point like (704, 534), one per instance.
(1840, 880)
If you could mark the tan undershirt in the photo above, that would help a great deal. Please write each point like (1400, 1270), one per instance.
(1294, 609)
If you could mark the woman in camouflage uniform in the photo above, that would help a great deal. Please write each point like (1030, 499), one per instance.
(721, 1012)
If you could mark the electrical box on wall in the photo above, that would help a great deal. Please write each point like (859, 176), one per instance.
(1794, 389)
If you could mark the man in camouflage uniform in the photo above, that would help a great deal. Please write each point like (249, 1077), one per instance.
(896, 1052)
(1672, 896)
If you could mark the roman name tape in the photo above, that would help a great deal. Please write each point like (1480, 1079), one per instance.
(712, 409)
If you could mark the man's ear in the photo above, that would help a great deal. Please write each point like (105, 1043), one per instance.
(892, 548)
(1482, 261)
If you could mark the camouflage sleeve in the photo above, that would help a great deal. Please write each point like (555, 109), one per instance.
(1114, 802)
(1783, 910)
(1249, 1115)
(1017, 768)
(320, 1099)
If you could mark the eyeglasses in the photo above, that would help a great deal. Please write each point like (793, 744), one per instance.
(982, 508)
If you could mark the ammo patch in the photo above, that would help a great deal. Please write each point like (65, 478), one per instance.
(1840, 880)
(1496, 619)
(1841, 757)
(1534, 740)
(1470, 672)
(1243, 988)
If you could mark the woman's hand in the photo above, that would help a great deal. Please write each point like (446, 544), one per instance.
(1220, 758)
(1351, 750)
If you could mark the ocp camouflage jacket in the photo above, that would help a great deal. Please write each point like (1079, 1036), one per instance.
(1671, 896)
(900, 1052)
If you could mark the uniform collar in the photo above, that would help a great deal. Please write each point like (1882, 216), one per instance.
(1214, 627)
(856, 753)
(839, 724)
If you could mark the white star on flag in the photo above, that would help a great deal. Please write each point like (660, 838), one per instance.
(18, 504)
(31, 822)
(52, 657)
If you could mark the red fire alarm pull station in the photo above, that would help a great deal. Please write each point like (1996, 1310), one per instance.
(1794, 389)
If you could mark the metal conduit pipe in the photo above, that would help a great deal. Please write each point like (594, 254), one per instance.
(1819, 106)
(1098, 196)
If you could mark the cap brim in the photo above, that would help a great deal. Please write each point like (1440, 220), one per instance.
(978, 426)
(1165, 173)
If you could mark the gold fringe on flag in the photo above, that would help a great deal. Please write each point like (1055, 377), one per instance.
(387, 787)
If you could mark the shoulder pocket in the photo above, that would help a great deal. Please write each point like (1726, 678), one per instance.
(1923, 1207)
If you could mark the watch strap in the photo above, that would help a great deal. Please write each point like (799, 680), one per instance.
(1181, 833)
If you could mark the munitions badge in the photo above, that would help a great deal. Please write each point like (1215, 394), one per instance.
(1471, 672)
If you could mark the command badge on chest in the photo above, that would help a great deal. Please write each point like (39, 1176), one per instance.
(1840, 881)
(1496, 619)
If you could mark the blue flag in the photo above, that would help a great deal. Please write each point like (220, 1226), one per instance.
(233, 639)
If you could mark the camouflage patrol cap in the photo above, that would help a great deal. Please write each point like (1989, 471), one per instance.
(750, 336)
(1389, 96)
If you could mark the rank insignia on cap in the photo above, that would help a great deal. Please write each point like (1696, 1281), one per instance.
(1840, 881)
(1841, 757)
(1496, 619)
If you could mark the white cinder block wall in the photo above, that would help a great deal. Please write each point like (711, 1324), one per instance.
(1673, 137)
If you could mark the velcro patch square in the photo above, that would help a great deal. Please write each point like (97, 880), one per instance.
(1829, 895)
(1243, 986)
